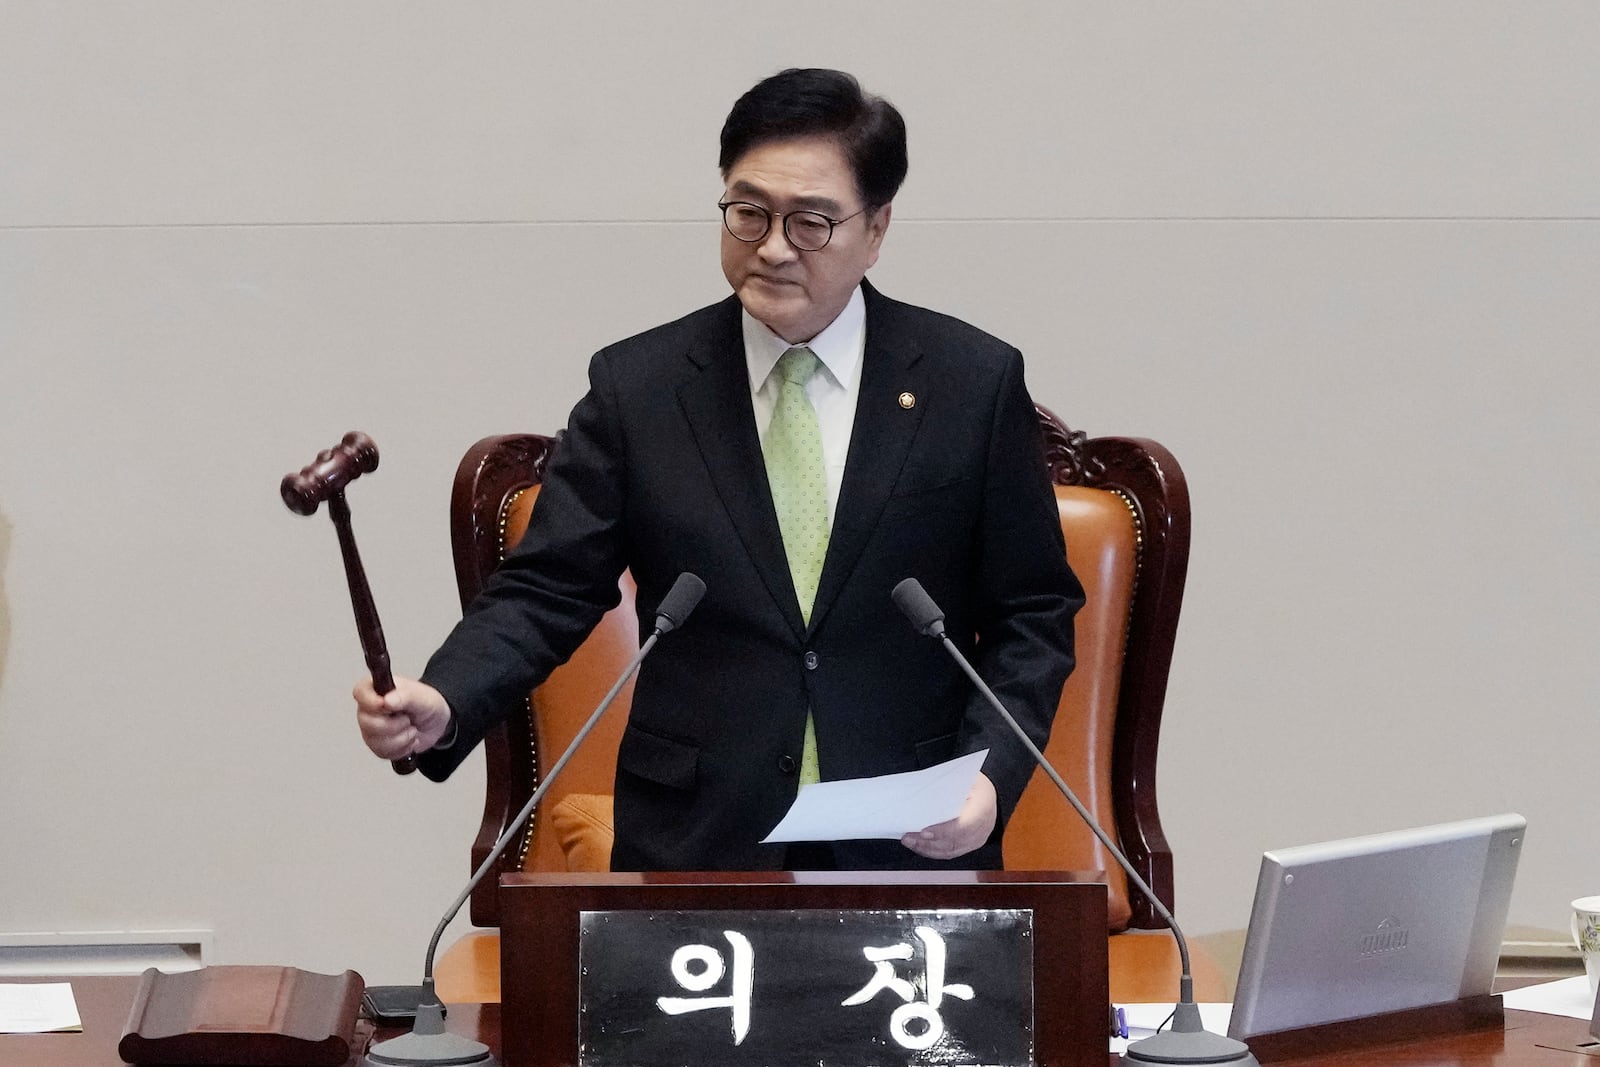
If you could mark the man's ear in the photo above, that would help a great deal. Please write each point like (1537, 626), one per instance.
(878, 223)
(877, 226)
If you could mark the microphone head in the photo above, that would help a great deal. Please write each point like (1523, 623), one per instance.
(679, 602)
(915, 603)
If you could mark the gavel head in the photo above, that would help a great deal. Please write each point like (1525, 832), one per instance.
(330, 472)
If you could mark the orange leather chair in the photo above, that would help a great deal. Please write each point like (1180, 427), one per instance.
(1125, 516)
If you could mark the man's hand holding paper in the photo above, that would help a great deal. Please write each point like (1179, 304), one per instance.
(933, 812)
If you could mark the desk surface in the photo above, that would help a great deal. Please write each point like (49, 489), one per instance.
(103, 1004)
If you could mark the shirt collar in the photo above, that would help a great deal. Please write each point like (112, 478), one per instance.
(838, 347)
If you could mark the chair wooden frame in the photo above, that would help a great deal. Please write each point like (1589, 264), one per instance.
(1141, 472)
(1149, 480)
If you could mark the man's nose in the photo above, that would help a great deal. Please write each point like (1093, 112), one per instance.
(775, 246)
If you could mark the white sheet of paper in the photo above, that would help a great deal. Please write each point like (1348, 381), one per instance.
(1569, 996)
(38, 1008)
(890, 805)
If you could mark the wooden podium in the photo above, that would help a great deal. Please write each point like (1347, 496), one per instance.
(543, 917)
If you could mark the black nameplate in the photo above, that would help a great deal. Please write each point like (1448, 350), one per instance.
(830, 988)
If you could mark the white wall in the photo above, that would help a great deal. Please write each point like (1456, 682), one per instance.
(1342, 258)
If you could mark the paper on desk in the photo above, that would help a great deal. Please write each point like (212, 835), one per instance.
(38, 1008)
(890, 805)
(1570, 997)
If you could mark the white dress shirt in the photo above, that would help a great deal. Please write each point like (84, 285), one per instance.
(832, 391)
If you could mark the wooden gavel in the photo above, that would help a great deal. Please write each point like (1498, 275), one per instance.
(324, 478)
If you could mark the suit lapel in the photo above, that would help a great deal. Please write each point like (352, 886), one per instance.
(879, 441)
(716, 403)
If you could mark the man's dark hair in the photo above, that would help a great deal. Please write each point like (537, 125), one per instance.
(822, 103)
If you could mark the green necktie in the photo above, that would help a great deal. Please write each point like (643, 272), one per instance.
(793, 449)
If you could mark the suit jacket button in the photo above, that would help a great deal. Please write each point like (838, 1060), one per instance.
(811, 661)
(787, 764)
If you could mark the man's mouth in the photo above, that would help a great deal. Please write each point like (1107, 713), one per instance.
(770, 280)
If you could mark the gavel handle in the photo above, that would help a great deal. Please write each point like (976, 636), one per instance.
(373, 646)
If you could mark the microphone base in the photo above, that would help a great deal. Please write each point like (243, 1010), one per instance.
(438, 1050)
(1189, 1042)
(1193, 1048)
(429, 1044)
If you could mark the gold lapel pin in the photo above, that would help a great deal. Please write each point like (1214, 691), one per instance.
(908, 401)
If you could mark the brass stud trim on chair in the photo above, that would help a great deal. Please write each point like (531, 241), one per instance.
(1138, 557)
(526, 843)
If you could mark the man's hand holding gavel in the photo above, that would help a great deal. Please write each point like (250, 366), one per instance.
(408, 720)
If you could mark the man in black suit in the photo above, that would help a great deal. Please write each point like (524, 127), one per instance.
(802, 446)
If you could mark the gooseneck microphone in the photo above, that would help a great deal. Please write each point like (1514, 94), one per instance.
(429, 1044)
(681, 599)
(1188, 1042)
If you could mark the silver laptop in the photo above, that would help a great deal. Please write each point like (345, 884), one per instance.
(1353, 928)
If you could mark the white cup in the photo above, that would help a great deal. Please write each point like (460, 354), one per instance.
(1586, 932)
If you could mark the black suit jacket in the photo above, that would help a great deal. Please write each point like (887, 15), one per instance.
(661, 471)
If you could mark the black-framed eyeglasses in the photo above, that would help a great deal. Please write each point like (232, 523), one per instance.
(809, 231)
